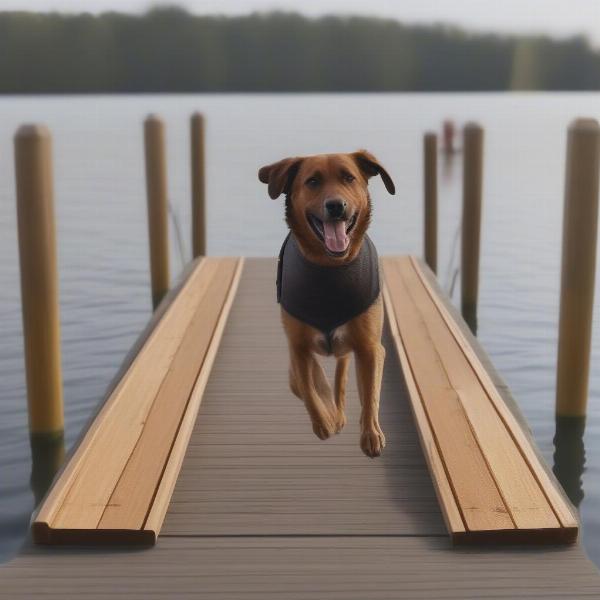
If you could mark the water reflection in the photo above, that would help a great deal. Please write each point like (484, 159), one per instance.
(469, 313)
(569, 456)
(47, 455)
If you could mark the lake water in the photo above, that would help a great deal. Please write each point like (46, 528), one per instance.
(102, 238)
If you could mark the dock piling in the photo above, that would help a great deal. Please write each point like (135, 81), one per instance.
(580, 228)
(156, 185)
(198, 186)
(448, 134)
(430, 199)
(39, 282)
(471, 221)
(569, 456)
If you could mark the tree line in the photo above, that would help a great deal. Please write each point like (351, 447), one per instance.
(170, 50)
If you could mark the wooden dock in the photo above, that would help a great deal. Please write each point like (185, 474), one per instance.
(262, 508)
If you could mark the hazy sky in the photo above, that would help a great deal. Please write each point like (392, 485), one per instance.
(556, 17)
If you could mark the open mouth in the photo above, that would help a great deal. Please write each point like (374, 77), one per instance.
(334, 234)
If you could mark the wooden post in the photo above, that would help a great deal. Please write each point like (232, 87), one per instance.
(47, 456)
(569, 456)
(156, 185)
(430, 188)
(39, 281)
(471, 221)
(580, 227)
(448, 130)
(198, 186)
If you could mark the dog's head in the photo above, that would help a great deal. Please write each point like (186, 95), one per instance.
(328, 206)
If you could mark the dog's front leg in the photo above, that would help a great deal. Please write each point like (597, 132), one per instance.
(341, 377)
(303, 368)
(369, 370)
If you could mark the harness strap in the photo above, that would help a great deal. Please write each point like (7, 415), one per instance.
(280, 267)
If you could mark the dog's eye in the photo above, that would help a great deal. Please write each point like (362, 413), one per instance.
(348, 178)
(312, 182)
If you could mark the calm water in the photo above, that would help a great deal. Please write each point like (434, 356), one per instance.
(100, 204)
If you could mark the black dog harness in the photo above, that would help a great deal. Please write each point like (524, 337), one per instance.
(326, 297)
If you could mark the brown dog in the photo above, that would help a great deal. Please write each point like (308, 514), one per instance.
(328, 285)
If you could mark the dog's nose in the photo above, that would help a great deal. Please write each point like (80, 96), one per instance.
(335, 209)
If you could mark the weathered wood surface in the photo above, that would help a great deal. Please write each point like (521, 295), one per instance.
(254, 466)
(263, 509)
(301, 568)
(495, 481)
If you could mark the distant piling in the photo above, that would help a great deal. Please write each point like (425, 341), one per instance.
(580, 228)
(39, 283)
(471, 221)
(156, 186)
(448, 136)
(198, 186)
(430, 199)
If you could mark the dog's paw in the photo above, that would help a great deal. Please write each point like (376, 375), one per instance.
(372, 443)
(323, 430)
(339, 421)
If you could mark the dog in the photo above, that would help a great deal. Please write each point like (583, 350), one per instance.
(328, 285)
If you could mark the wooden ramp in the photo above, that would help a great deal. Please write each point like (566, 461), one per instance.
(117, 486)
(491, 484)
(263, 509)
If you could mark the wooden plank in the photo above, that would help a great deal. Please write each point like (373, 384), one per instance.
(208, 289)
(164, 492)
(170, 328)
(564, 511)
(475, 491)
(132, 497)
(536, 508)
(119, 432)
(452, 517)
(520, 490)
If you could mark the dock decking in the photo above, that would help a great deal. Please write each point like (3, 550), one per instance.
(262, 508)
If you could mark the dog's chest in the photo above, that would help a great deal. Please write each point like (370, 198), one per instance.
(336, 342)
(327, 297)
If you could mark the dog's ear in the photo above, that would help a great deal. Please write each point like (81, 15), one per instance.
(370, 166)
(280, 175)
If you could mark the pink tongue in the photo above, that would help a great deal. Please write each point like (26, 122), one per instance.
(336, 239)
